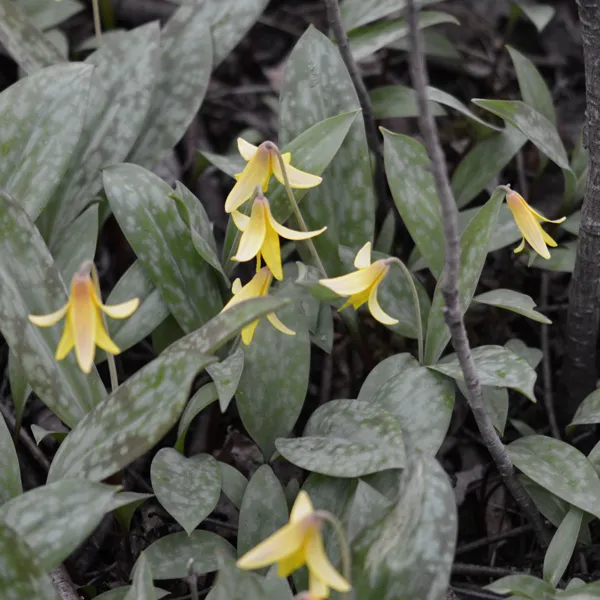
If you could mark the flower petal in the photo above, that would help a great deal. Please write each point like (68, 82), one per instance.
(319, 565)
(257, 172)
(316, 587)
(363, 257)
(520, 247)
(303, 507)
(376, 310)
(356, 282)
(240, 220)
(290, 234)
(274, 320)
(357, 300)
(541, 217)
(103, 340)
(236, 286)
(298, 179)
(549, 241)
(288, 565)
(286, 541)
(248, 332)
(120, 311)
(67, 341)
(253, 237)
(271, 253)
(253, 289)
(84, 314)
(51, 319)
(246, 149)
(527, 224)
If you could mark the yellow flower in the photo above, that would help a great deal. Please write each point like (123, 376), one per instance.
(295, 544)
(260, 235)
(84, 326)
(362, 285)
(256, 287)
(528, 221)
(262, 163)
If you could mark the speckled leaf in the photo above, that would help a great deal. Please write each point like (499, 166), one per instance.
(233, 483)
(150, 221)
(588, 412)
(421, 400)
(168, 557)
(484, 162)
(188, 488)
(408, 553)
(45, 15)
(560, 468)
(55, 519)
(532, 355)
(30, 284)
(391, 101)
(407, 167)
(359, 12)
(367, 40)
(124, 505)
(559, 552)
(538, 13)
(535, 126)
(39, 433)
(495, 400)
(120, 593)
(274, 382)
(21, 577)
(202, 398)
(345, 200)
(24, 42)
(496, 366)
(42, 118)
(20, 390)
(474, 243)
(451, 102)
(347, 438)
(263, 511)
(141, 410)
(525, 586)
(141, 588)
(366, 505)
(226, 375)
(10, 473)
(522, 304)
(185, 67)
(124, 76)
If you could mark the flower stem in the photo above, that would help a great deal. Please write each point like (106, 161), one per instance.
(97, 21)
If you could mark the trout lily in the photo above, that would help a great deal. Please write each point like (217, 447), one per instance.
(258, 286)
(260, 235)
(262, 163)
(298, 543)
(362, 285)
(529, 222)
(84, 325)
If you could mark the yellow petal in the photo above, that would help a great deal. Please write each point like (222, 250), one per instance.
(253, 289)
(303, 507)
(274, 320)
(283, 543)
(549, 240)
(248, 332)
(363, 258)
(67, 341)
(357, 300)
(356, 282)
(319, 564)
(376, 310)
(318, 590)
(536, 213)
(298, 179)
(520, 247)
(246, 149)
(121, 311)
(51, 319)
(271, 253)
(288, 565)
(240, 220)
(84, 314)
(527, 224)
(236, 286)
(290, 234)
(253, 237)
(103, 340)
(257, 172)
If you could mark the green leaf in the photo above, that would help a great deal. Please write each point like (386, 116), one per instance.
(120, 593)
(539, 14)
(535, 126)
(572, 223)
(168, 557)
(532, 355)
(588, 412)
(355, 13)
(20, 390)
(39, 433)
(562, 259)
(560, 550)
(407, 167)
(263, 510)
(526, 586)
(142, 588)
(435, 45)
(495, 366)
(368, 40)
(345, 200)
(38, 290)
(495, 400)
(188, 488)
(274, 382)
(226, 375)
(390, 101)
(385, 238)
(202, 398)
(534, 91)
(22, 577)
(513, 301)
(233, 483)
(149, 219)
(347, 438)
(124, 506)
(10, 473)
(560, 468)
(46, 15)
(421, 400)
(185, 67)
(24, 42)
(55, 519)
(474, 244)
(141, 410)
(408, 552)
(366, 505)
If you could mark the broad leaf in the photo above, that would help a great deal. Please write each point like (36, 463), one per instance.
(45, 15)
(588, 412)
(513, 301)
(233, 483)
(20, 390)
(226, 375)
(355, 13)
(142, 588)
(538, 13)
(525, 585)
(495, 400)
(10, 473)
(120, 593)
(347, 438)
(205, 396)
(391, 101)
(559, 552)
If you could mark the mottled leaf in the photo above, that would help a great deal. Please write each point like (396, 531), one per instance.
(188, 488)
(226, 375)
(39, 434)
(355, 13)
(233, 483)
(45, 15)
(390, 101)
(347, 438)
(141, 588)
(559, 552)
(366, 504)
(386, 235)
(20, 390)
(522, 304)
(436, 95)
(495, 400)
(120, 593)
(124, 506)
(525, 585)
(205, 396)
(532, 355)
(10, 473)
(588, 412)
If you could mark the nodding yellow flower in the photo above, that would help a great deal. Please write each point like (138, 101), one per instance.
(298, 543)
(258, 286)
(362, 285)
(260, 235)
(529, 222)
(262, 163)
(84, 325)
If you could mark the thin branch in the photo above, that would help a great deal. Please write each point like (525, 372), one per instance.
(449, 285)
(63, 584)
(339, 33)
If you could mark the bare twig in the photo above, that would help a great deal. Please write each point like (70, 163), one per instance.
(63, 584)
(481, 570)
(492, 539)
(335, 23)
(449, 285)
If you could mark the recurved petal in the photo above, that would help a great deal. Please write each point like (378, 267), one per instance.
(354, 283)
(83, 313)
(318, 590)
(274, 320)
(51, 319)
(271, 253)
(257, 171)
(67, 341)
(246, 149)
(253, 289)
(298, 179)
(103, 340)
(286, 541)
(375, 308)
(240, 220)
(528, 224)
(319, 565)
(254, 235)
(303, 507)
(542, 218)
(520, 247)
(549, 240)
(363, 258)
(121, 311)
(290, 234)
(288, 565)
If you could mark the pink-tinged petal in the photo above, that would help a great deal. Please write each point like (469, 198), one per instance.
(271, 253)
(319, 565)
(363, 257)
(257, 172)
(283, 543)
(290, 234)
(274, 320)
(288, 565)
(253, 237)
(298, 179)
(527, 224)
(356, 282)
(246, 149)
(67, 341)
(303, 508)
(103, 340)
(375, 308)
(121, 311)
(240, 220)
(520, 247)
(84, 314)
(318, 590)
(51, 319)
